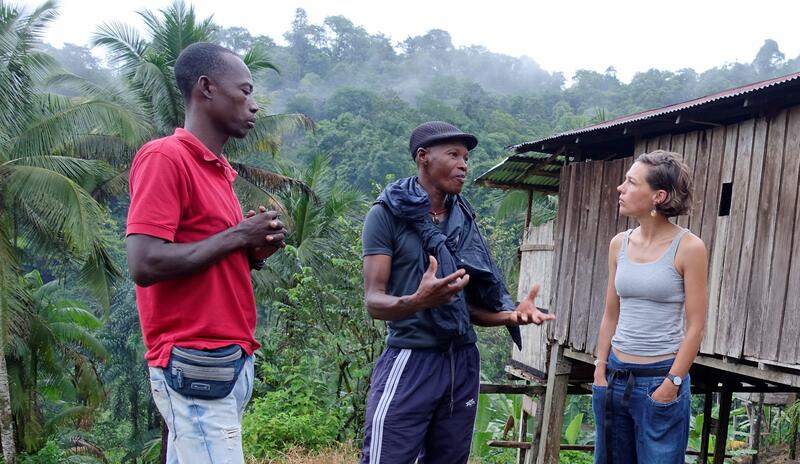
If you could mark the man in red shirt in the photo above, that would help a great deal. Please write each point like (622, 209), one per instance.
(190, 252)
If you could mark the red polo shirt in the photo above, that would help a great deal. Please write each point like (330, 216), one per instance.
(181, 192)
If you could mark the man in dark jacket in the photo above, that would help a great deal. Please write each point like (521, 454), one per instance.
(428, 272)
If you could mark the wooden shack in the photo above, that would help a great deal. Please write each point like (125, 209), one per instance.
(742, 147)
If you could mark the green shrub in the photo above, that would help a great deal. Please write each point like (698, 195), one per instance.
(280, 420)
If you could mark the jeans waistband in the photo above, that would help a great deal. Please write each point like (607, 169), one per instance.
(615, 364)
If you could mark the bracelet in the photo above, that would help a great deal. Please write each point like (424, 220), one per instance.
(598, 362)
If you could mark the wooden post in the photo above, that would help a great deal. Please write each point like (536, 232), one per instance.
(529, 212)
(757, 427)
(725, 399)
(523, 430)
(553, 412)
(530, 457)
(707, 403)
(793, 436)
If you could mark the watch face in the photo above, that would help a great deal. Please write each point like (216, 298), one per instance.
(677, 380)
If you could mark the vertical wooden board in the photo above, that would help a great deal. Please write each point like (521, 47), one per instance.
(606, 229)
(677, 144)
(558, 251)
(640, 147)
(535, 267)
(781, 258)
(765, 235)
(699, 181)
(689, 154)
(624, 222)
(711, 201)
(789, 350)
(664, 142)
(717, 253)
(743, 310)
(570, 247)
(652, 144)
(730, 316)
(712, 315)
(584, 280)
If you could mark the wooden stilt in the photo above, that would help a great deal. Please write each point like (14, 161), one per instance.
(707, 403)
(530, 457)
(553, 412)
(725, 399)
(757, 427)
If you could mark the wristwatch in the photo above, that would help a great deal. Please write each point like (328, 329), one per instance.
(676, 380)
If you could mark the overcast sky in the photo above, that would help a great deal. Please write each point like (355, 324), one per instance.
(560, 35)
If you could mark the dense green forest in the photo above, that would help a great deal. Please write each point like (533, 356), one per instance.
(338, 105)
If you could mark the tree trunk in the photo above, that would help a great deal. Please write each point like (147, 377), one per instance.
(6, 420)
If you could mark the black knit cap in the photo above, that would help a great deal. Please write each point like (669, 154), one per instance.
(433, 132)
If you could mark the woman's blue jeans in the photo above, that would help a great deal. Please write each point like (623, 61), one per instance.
(643, 431)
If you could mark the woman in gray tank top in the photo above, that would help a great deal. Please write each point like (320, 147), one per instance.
(653, 320)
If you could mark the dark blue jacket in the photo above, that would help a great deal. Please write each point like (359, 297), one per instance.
(459, 246)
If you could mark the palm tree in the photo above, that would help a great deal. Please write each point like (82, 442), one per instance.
(52, 368)
(45, 208)
(315, 222)
(146, 67)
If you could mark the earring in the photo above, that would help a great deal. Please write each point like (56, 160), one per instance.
(653, 213)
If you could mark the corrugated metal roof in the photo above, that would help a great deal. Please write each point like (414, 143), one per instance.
(535, 164)
(734, 92)
(530, 171)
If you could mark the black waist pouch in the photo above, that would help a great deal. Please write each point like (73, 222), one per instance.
(204, 374)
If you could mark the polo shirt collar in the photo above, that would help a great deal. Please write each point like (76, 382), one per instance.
(199, 149)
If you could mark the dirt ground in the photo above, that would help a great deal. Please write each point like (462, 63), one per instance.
(773, 455)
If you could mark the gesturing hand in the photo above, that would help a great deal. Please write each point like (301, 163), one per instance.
(433, 291)
(527, 312)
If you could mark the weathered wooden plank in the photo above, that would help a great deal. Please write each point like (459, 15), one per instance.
(790, 332)
(640, 147)
(624, 222)
(606, 229)
(554, 403)
(711, 201)
(571, 235)
(587, 244)
(699, 181)
(677, 144)
(776, 305)
(743, 311)
(729, 315)
(765, 235)
(717, 250)
(689, 155)
(536, 266)
(561, 219)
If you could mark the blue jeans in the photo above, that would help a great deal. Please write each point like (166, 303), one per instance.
(201, 430)
(643, 431)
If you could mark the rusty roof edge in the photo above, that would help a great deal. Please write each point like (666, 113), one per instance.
(523, 147)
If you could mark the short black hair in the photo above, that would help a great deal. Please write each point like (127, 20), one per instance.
(198, 59)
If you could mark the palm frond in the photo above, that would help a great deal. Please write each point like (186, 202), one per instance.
(70, 332)
(156, 81)
(99, 272)
(125, 46)
(58, 201)
(265, 136)
(176, 28)
(63, 123)
(269, 181)
(257, 60)
(76, 169)
(112, 187)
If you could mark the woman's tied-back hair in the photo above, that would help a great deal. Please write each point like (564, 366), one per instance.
(667, 172)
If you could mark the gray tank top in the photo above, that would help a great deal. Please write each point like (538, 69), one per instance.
(651, 298)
